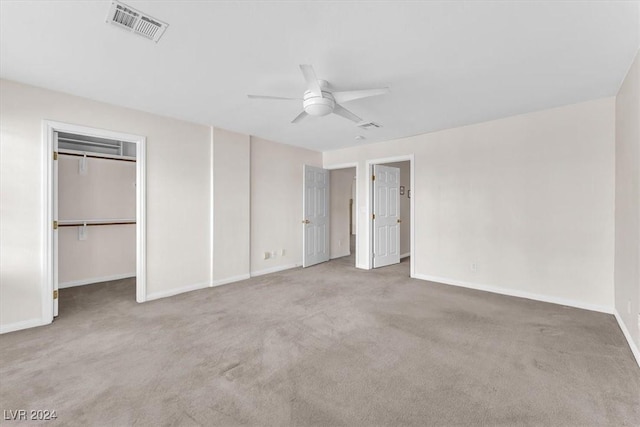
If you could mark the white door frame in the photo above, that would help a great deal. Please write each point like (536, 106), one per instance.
(369, 194)
(48, 182)
(355, 202)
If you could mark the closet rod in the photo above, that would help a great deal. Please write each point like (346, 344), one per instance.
(82, 224)
(96, 157)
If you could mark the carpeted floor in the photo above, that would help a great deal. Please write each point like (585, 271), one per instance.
(329, 345)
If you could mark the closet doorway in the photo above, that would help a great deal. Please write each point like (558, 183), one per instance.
(95, 193)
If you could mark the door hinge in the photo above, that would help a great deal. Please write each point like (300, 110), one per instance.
(55, 155)
(373, 177)
(373, 216)
(55, 225)
(55, 294)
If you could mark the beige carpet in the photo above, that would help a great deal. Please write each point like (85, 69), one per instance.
(329, 345)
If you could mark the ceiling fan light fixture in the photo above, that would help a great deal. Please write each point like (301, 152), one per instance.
(317, 106)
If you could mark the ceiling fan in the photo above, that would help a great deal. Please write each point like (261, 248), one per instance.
(319, 100)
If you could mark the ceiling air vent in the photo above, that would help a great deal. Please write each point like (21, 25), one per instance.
(368, 125)
(126, 17)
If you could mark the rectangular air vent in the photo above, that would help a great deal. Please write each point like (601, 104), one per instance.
(126, 17)
(368, 125)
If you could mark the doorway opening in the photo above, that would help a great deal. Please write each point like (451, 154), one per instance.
(391, 206)
(343, 218)
(94, 227)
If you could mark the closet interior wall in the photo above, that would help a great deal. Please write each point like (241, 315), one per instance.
(100, 192)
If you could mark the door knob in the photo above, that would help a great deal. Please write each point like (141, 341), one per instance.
(306, 221)
(399, 220)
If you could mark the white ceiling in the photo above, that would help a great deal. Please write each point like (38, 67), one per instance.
(447, 63)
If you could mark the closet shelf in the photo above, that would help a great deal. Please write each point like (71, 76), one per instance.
(94, 222)
(75, 153)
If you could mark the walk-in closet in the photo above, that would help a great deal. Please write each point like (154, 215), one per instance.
(96, 211)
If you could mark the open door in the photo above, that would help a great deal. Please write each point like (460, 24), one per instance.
(315, 237)
(386, 215)
(54, 206)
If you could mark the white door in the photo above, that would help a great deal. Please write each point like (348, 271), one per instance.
(54, 204)
(315, 237)
(386, 215)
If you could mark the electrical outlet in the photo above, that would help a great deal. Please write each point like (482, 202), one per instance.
(281, 252)
(267, 255)
(274, 254)
(474, 266)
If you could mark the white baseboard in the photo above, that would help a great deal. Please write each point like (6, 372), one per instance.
(221, 282)
(175, 291)
(516, 293)
(25, 324)
(627, 335)
(273, 269)
(83, 282)
(405, 255)
(340, 256)
(362, 266)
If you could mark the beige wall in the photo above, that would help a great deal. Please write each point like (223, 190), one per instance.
(527, 199)
(405, 206)
(341, 183)
(108, 253)
(627, 244)
(178, 194)
(106, 191)
(276, 203)
(231, 239)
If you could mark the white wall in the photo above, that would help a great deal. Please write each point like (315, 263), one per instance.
(106, 191)
(276, 203)
(627, 243)
(178, 195)
(527, 199)
(341, 184)
(232, 187)
(405, 206)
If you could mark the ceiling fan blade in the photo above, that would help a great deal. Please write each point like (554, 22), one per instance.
(300, 117)
(273, 97)
(341, 111)
(312, 81)
(350, 95)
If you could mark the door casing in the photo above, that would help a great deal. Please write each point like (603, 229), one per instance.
(368, 229)
(49, 255)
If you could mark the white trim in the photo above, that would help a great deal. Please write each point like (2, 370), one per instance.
(405, 255)
(141, 219)
(627, 335)
(348, 166)
(24, 324)
(82, 282)
(211, 210)
(368, 231)
(341, 255)
(516, 293)
(228, 280)
(48, 129)
(273, 269)
(177, 291)
(46, 290)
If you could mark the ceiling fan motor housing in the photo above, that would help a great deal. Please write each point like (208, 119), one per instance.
(318, 106)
